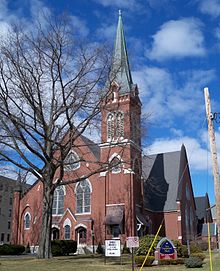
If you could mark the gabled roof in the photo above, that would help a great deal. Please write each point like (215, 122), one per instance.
(161, 175)
(163, 180)
(202, 208)
(95, 149)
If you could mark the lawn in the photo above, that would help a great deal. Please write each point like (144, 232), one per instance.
(82, 263)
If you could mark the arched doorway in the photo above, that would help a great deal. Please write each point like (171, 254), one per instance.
(81, 234)
(55, 234)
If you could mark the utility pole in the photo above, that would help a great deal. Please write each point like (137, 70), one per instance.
(213, 149)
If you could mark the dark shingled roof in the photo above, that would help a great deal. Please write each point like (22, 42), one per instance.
(161, 175)
(202, 204)
(95, 149)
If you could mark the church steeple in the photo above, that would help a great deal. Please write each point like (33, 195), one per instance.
(120, 70)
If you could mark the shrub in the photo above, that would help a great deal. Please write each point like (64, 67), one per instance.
(171, 261)
(145, 243)
(194, 248)
(140, 259)
(193, 262)
(203, 245)
(100, 249)
(11, 249)
(63, 247)
(56, 248)
(182, 250)
(200, 255)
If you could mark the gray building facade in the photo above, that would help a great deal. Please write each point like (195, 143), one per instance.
(7, 187)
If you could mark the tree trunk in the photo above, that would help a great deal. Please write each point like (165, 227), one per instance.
(45, 234)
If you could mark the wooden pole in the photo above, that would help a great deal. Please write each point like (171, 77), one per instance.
(214, 159)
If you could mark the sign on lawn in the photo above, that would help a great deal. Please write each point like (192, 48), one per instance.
(165, 250)
(112, 248)
(132, 241)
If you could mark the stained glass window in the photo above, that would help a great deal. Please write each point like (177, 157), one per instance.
(58, 201)
(67, 232)
(72, 161)
(83, 197)
(27, 220)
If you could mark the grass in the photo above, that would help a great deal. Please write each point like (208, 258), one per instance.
(89, 263)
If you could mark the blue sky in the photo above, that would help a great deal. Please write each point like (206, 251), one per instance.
(174, 52)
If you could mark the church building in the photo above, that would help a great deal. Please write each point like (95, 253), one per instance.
(109, 204)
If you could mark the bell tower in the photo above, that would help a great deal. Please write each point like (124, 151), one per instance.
(121, 140)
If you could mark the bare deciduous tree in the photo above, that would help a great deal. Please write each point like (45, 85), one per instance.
(50, 92)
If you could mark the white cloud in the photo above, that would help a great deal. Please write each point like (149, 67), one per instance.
(79, 26)
(198, 149)
(210, 7)
(197, 155)
(107, 32)
(166, 98)
(180, 38)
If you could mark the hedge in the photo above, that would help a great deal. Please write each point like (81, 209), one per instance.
(63, 247)
(182, 251)
(145, 243)
(11, 249)
(193, 262)
(199, 255)
(140, 259)
(171, 261)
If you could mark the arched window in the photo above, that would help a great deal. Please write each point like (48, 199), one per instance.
(71, 161)
(115, 165)
(67, 232)
(110, 126)
(27, 221)
(58, 201)
(119, 125)
(83, 195)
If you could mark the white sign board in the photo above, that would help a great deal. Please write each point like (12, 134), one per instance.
(112, 248)
(133, 241)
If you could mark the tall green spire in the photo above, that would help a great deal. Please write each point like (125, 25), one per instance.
(120, 67)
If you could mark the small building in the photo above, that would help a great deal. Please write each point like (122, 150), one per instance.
(7, 188)
(206, 214)
(203, 212)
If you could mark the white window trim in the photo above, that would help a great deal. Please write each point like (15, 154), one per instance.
(110, 137)
(116, 155)
(75, 190)
(67, 222)
(64, 193)
(80, 225)
(71, 169)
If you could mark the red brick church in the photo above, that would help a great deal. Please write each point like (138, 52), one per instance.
(122, 201)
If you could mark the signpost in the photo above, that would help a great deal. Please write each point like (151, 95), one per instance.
(132, 242)
(113, 248)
